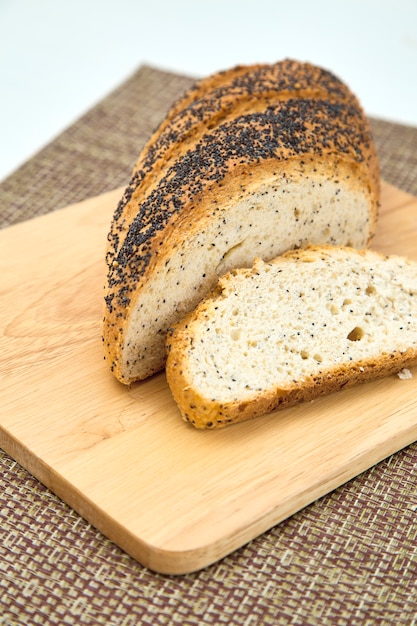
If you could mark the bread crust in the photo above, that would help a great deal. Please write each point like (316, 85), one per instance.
(246, 128)
(218, 99)
(204, 413)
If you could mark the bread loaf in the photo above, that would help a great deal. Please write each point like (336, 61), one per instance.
(249, 163)
(305, 324)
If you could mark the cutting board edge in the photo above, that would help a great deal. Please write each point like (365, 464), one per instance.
(186, 561)
(167, 561)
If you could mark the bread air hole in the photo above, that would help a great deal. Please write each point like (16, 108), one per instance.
(236, 334)
(305, 355)
(356, 334)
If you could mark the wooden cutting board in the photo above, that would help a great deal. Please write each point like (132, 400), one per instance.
(175, 498)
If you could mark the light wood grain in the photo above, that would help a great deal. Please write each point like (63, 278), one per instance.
(175, 498)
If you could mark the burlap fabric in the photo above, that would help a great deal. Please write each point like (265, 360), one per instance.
(348, 559)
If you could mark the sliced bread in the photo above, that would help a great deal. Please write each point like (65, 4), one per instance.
(305, 324)
(249, 163)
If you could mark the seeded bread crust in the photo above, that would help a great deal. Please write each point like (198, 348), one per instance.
(354, 321)
(250, 132)
(215, 100)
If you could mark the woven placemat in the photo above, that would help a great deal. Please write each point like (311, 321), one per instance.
(350, 558)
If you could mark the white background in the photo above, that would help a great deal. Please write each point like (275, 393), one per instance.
(59, 57)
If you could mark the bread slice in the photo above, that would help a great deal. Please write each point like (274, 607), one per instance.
(251, 162)
(305, 324)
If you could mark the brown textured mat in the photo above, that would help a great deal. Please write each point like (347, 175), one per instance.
(348, 559)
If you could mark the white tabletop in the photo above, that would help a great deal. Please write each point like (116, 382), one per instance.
(59, 57)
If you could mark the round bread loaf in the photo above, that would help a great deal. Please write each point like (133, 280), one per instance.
(251, 162)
